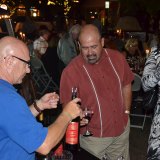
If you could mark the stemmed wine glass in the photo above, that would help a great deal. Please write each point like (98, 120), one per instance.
(88, 115)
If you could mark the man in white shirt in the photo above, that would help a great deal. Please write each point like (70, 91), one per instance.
(40, 45)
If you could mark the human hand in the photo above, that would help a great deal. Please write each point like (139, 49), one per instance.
(48, 101)
(86, 116)
(72, 109)
(84, 122)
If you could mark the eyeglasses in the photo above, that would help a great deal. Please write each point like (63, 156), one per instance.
(27, 62)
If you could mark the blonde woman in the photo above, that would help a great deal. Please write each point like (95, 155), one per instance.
(135, 57)
(132, 47)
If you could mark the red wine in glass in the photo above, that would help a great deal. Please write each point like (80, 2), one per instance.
(88, 115)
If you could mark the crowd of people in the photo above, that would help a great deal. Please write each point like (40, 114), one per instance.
(102, 72)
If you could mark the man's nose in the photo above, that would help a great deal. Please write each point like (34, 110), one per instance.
(89, 50)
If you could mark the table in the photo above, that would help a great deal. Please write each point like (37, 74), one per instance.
(82, 155)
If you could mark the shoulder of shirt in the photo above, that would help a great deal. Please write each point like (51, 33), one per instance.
(114, 53)
(75, 63)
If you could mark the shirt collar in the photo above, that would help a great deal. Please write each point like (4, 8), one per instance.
(7, 84)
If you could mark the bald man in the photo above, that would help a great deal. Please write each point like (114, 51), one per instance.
(20, 134)
(103, 78)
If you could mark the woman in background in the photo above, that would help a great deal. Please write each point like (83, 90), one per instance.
(135, 55)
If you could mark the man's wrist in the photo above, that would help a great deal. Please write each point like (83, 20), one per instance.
(68, 115)
(36, 107)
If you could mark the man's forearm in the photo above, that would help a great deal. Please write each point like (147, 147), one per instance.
(127, 96)
(56, 132)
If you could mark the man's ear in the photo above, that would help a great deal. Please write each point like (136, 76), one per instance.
(9, 62)
(102, 42)
(79, 45)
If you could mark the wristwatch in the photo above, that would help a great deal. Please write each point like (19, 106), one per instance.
(127, 112)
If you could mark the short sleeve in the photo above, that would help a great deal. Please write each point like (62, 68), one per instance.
(20, 125)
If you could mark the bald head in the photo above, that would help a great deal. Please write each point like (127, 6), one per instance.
(14, 60)
(12, 46)
(91, 44)
(89, 31)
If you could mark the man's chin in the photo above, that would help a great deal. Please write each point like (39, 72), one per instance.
(92, 61)
(19, 82)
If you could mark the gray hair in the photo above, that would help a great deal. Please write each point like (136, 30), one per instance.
(44, 31)
(75, 29)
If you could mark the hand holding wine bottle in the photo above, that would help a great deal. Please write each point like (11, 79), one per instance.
(72, 109)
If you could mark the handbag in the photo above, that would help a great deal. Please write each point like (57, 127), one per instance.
(150, 99)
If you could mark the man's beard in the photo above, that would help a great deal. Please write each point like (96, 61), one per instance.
(92, 59)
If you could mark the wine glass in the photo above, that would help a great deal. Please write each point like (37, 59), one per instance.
(88, 115)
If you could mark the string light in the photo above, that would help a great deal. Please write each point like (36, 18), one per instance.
(11, 4)
(64, 3)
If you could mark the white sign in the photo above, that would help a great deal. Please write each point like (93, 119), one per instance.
(106, 4)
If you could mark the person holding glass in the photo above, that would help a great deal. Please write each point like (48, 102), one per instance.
(20, 134)
(103, 78)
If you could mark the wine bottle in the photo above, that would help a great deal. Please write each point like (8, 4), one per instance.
(58, 151)
(72, 132)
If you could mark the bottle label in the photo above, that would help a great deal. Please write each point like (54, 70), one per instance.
(72, 133)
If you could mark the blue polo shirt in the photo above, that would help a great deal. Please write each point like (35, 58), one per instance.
(20, 133)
